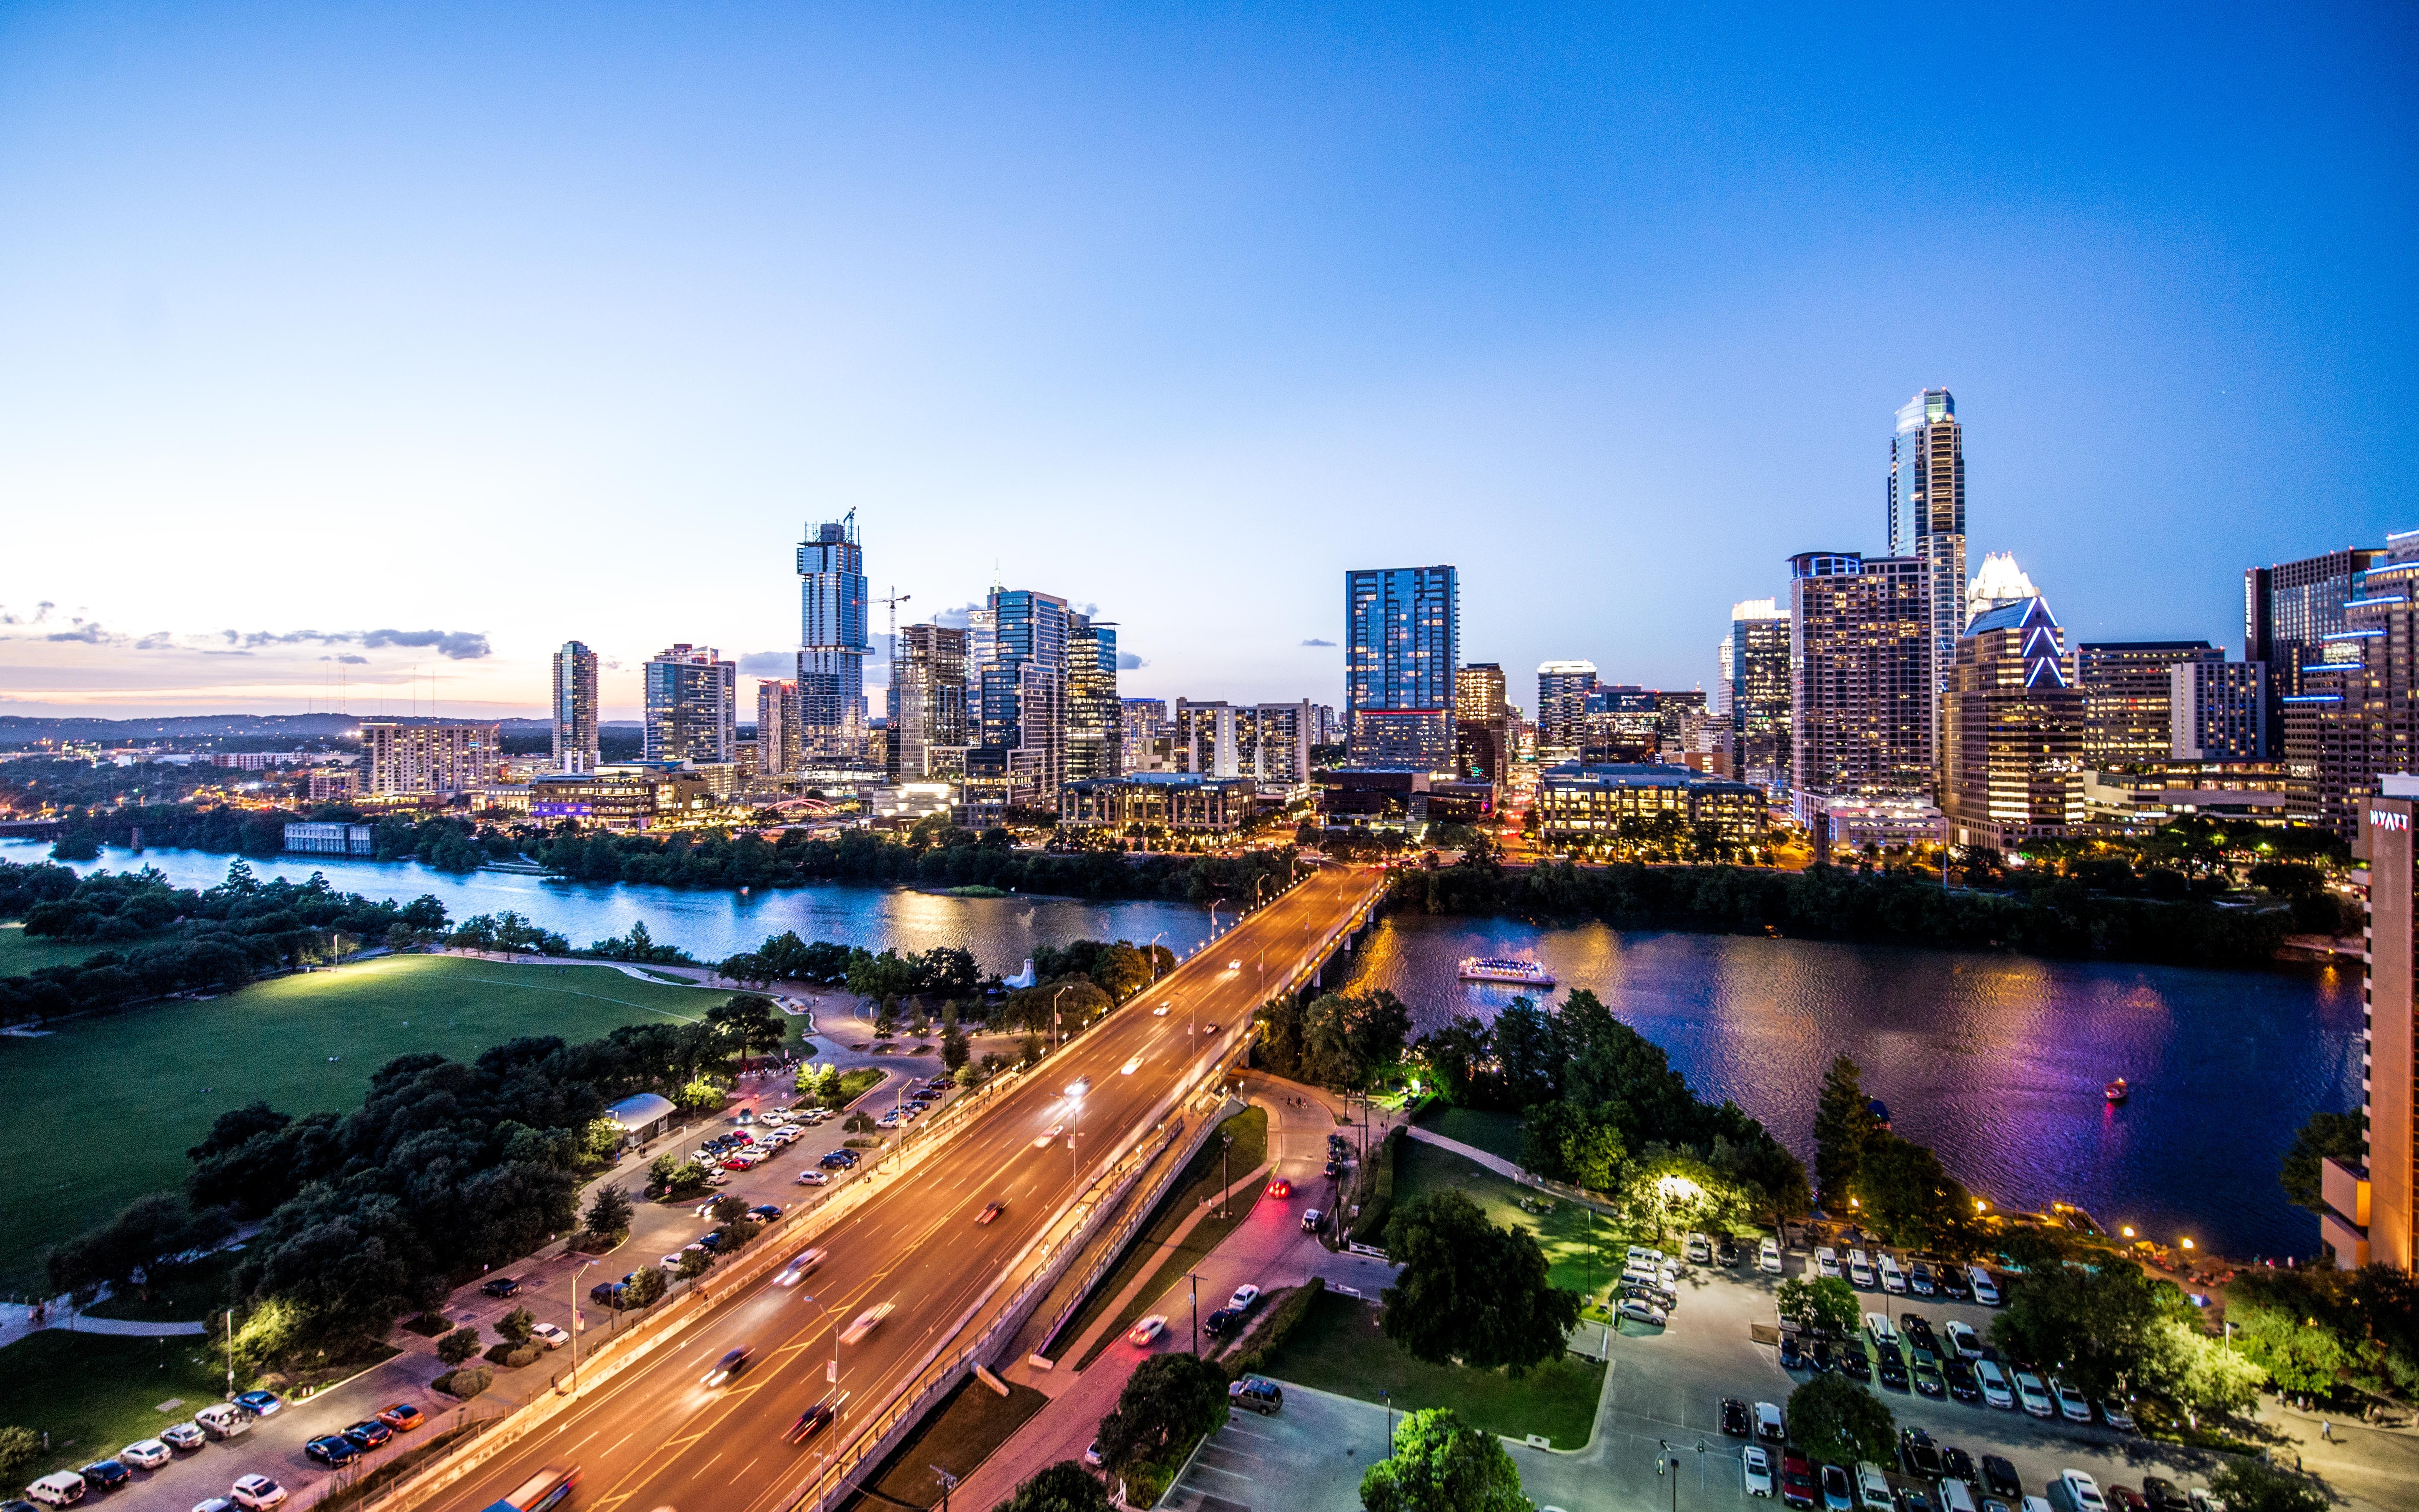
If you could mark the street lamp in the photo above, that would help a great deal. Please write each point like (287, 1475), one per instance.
(574, 1283)
(1058, 1026)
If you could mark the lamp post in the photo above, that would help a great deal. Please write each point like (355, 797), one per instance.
(1058, 1026)
(1193, 1295)
(1668, 1463)
(573, 1283)
(1152, 949)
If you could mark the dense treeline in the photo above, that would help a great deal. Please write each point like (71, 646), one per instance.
(2062, 917)
(447, 844)
(165, 939)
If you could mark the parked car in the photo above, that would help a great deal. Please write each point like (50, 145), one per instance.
(1768, 1424)
(1767, 1257)
(1791, 1357)
(2124, 1499)
(1963, 1340)
(1993, 1380)
(1985, 1291)
(1219, 1321)
(1917, 1330)
(765, 1212)
(1699, 1250)
(1755, 1467)
(1925, 1367)
(1880, 1329)
(2116, 1416)
(1955, 1463)
(1263, 1396)
(1959, 1373)
(1244, 1298)
(1638, 1310)
(1312, 1220)
(1727, 1254)
(1891, 1369)
(258, 1403)
(402, 1417)
(1918, 1454)
(332, 1449)
(1827, 1261)
(187, 1435)
(2082, 1491)
(109, 1474)
(1735, 1422)
(1953, 1283)
(1838, 1491)
(502, 1285)
(1860, 1271)
(2035, 1397)
(1850, 1360)
(255, 1492)
(1999, 1477)
(147, 1454)
(1147, 1332)
(1893, 1278)
(813, 1178)
(548, 1336)
(1918, 1276)
(2072, 1404)
(224, 1420)
(368, 1434)
(2163, 1496)
(1796, 1479)
(62, 1488)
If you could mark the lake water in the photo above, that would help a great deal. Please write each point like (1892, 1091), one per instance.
(1995, 1060)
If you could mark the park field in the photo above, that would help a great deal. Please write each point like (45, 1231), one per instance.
(105, 1107)
(21, 953)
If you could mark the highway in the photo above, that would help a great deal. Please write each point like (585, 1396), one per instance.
(655, 1437)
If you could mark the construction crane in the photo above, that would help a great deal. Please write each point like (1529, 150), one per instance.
(890, 667)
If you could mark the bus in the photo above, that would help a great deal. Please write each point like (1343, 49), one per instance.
(545, 1489)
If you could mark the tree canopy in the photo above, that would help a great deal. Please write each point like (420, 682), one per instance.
(1168, 1402)
(1334, 1040)
(2338, 1134)
(1065, 1486)
(1838, 1422)
(1441, 1464)
(2094, 1326)
(1470, 1291)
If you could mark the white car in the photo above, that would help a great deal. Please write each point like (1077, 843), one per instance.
(61, 1488)
(2034, 1395)
(1234, 966)
(2072, 1404)
(1159, 1012)
(1993, 1380)
(2082, 1491)
(2115, 1414)
(1767, 1257)
(1986, 1291)
(1768, 1424)
(1893, 1279)
(1244, 1298)
(1048, 1135)
(253, 1492)
(1826, 1261)
(1860, 1271)
(184, 1435)
(1756, 1467)
(813, 1178)
(1638, 1310)
(1130, 1067)
(866, 1321)
(550, 1335)
(1143, 1334)
(1640, 1255)
(801, 1266)
(1964, 1339)
(150, 1454)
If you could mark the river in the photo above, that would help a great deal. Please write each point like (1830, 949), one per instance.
(1995, 1060)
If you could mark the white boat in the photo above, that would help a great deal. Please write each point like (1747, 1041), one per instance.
(1499, 968)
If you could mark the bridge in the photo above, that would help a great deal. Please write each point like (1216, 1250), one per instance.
(1063, 1147)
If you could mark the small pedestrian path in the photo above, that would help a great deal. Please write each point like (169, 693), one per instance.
(1472, 1153)
(17, 1322)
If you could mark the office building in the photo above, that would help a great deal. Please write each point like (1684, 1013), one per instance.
(2011, 728)
(1926, 523)
(1022, 713)
(2371, 1204)
(2354, 715)
(1094, 723)
(1402, 638)
(310, 838)
(1580, 802)
(1623, 724)
(1478, 691)
(834, 635)
(1859, 668)
(2289, 609)
(928, 732)
(1997, 582)
(1146, 736)
(692, 705)
(1265, 742)
(781, 728)
(575, 708)
(1754, 689)
(2217, 711)
(1563, 690)
(404, 760)
(627, 797)
(1178, 802)
(2141, 799)
(2128, 697)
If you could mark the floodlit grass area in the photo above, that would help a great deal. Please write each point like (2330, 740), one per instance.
(21, 952)
(94, 1394)
(190, 1293)
(1585, 1257)
(105, 1106)
(1340, 1347)
(957, 1436)
(1202, 1177)
(1497, 1134)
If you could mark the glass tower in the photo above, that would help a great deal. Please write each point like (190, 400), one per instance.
(1926, 521)
(833, 636)
(575, 708)
(1402, 636)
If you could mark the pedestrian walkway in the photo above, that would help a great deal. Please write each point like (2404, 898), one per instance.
(1470, 1152)
(1115, 1309)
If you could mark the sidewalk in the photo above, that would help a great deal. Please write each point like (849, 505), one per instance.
(1470, 1152)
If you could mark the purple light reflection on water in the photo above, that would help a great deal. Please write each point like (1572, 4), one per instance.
(1997, 1061)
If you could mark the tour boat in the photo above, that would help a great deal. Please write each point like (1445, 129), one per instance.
(2117, 1091)
(1497, 968)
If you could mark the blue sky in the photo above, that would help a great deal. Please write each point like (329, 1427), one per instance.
(440, 332)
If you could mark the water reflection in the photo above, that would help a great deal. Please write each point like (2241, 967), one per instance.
(1997, 1061)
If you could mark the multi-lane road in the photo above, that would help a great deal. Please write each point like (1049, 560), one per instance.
(657, 1437)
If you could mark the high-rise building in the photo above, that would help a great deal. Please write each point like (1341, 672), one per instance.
(833, 636)
(2011, 728)
(2217, 711)
(2128, 701)
(692, 705)
(2353, 714)
(1478, 690)
(1095, 743)
(1927, 522)
(2372, 1205)
(1023, 711)
(1563, 688)
(1753, 690)
(781, 747)
(1402, 638)
(575, 708)
(1859, 669)
(927, 729)
(1145, 734)
(404, 760)
(2289, 610)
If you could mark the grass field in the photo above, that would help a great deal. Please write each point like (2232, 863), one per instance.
(193, 1292)
(1497, 1134)
(21, 952)
(105, 1106)
(1203, 1176)
(1340, 1347)
(1585, 1257)
(94, 1394)
(957, 1436)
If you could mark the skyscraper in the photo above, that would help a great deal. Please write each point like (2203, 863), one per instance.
(1755, 692)
(833, 636)
(1563, 688)
(575, 708)
(928, 704)
(2128, 699)
(1094, 736)
(1859, 668)
(2217, 711)
(2372, 1204)
(2012, 730)
(779, 747)
(1478, 691)
(692, 705)
(1402, 638)
(1023, 708)
(2353, 715)
(1927, 522)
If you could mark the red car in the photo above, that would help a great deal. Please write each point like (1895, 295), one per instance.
(1796, 1479)
(1280, 1188)
(402, 1417)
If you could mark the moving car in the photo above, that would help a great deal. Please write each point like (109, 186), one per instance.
(332, 1450)
(368, 1434)
(1638, 1310)
(147, 1454)
(1755, 1468)
(548, 1336)
(1280, 1188)
(502, 1285)
(1263, 1396)
(731, 1363)
(810, 1422)
(866, 1322)
(253, 1492)
(1132, 1064)
(1796, 1479)
(183, 1436)
(801, 1266)
(1234, 966)
(1160, 1013)
(1143, 1333)
(1734, 1418)
(1079, 1087)
(991, 1210)
(258, 1403)
(1244, 1298)
(1048, 1135)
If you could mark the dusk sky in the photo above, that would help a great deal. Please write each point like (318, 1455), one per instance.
(384, 338)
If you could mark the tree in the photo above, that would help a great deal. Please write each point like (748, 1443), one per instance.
(1121, 971)
(1826, 1303)
(459, 1345)
(2092, 1326)
(1843, 1123)
(1065, 1486)
(1441, 1464)
(748, 1022)
(2296, 1355)
(645, 1287)
(1838, 1422)
(2248, 1486)
(515, 1327)
(728, 1210)
(2327, 1134)
(609, 1211)
(1168, 1402)
(1472, 1291)
(1910, 1199)
(143, 1239)
(954, 1049)
(21, 1450)
(2198, 1373)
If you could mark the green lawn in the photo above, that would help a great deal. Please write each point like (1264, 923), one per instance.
(21, 953)
(957, 1436)
(1586, 1256)
(106, 1106)
(193, 1292)
(1497, 1134)
(1340, 1347)
(94, 1394)
(1205, 1176)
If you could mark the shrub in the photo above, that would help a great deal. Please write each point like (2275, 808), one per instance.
(459, 1345)
(465, 1384)
(1283, 1316)
(521, 1354)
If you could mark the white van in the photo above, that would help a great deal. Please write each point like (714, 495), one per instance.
(1878, 1325)
(1954, 1497)
(1860, 1270)
(1985, 1291)
(63, 1487)
(1872, 1487)
(1893, 1279)
(1826, 1261)
(1767, 1257)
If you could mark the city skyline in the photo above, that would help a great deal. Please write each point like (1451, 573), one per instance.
(1305, 281)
